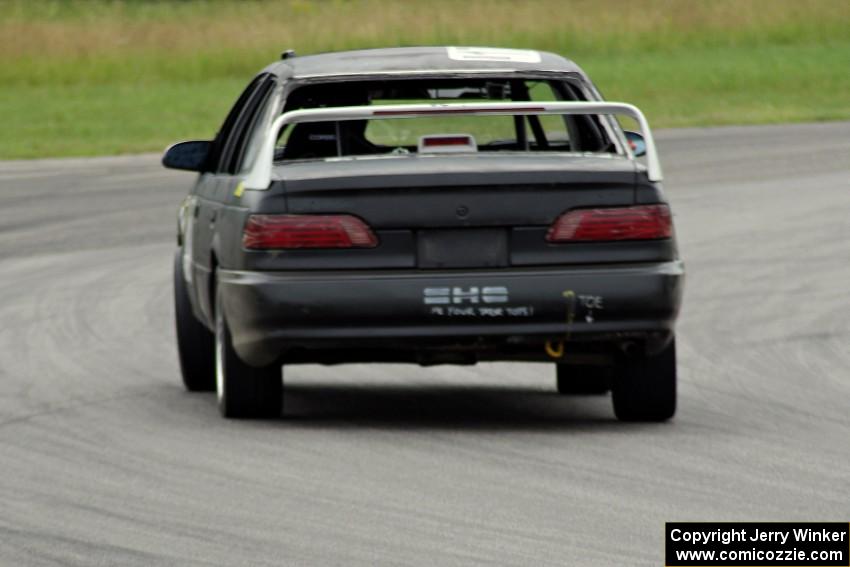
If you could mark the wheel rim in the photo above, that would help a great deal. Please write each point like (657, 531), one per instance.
(219, 356)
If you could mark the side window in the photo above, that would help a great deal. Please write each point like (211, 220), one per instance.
(250, 138)
(218, 157)
(234, 147)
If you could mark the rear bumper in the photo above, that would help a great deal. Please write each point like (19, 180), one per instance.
(270, 313)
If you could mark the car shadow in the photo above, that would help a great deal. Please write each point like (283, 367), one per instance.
(444, 407)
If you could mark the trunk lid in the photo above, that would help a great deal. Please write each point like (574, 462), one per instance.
(427, 192)
(449, 212)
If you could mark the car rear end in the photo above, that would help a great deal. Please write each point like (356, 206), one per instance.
(455, 259)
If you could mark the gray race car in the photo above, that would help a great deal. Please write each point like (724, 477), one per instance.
(430, 205)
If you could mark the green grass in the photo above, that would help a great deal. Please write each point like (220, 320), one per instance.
(84, 120)
(97, 77)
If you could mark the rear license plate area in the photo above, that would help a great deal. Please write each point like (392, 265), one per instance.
(462, 248)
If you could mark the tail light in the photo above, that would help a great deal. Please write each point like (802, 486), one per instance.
(266, 232)
(644, 222)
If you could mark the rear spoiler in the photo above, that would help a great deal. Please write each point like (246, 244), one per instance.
(259, 176)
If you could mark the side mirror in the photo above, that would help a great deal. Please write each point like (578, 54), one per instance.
(636, 142)
(191, 156)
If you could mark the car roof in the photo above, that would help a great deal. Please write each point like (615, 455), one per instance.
(419, 60)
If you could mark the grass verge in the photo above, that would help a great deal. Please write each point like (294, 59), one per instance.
(95, 77)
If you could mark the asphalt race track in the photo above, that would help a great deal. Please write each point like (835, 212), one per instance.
(105, 460)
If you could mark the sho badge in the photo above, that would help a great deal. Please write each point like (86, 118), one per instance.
(460, 295)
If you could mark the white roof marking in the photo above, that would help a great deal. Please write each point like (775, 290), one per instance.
(493, 54)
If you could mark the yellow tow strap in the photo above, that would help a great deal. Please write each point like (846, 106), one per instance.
(556, 349)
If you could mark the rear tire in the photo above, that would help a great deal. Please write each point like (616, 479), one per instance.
(645, 387)
(243, 391)
(195, 343)
(583, 379)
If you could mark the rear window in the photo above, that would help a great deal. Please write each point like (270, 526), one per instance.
(401, 136)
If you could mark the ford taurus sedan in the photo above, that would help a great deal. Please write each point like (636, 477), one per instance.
(440, 205)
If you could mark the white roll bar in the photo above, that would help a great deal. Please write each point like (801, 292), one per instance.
(259, 176)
